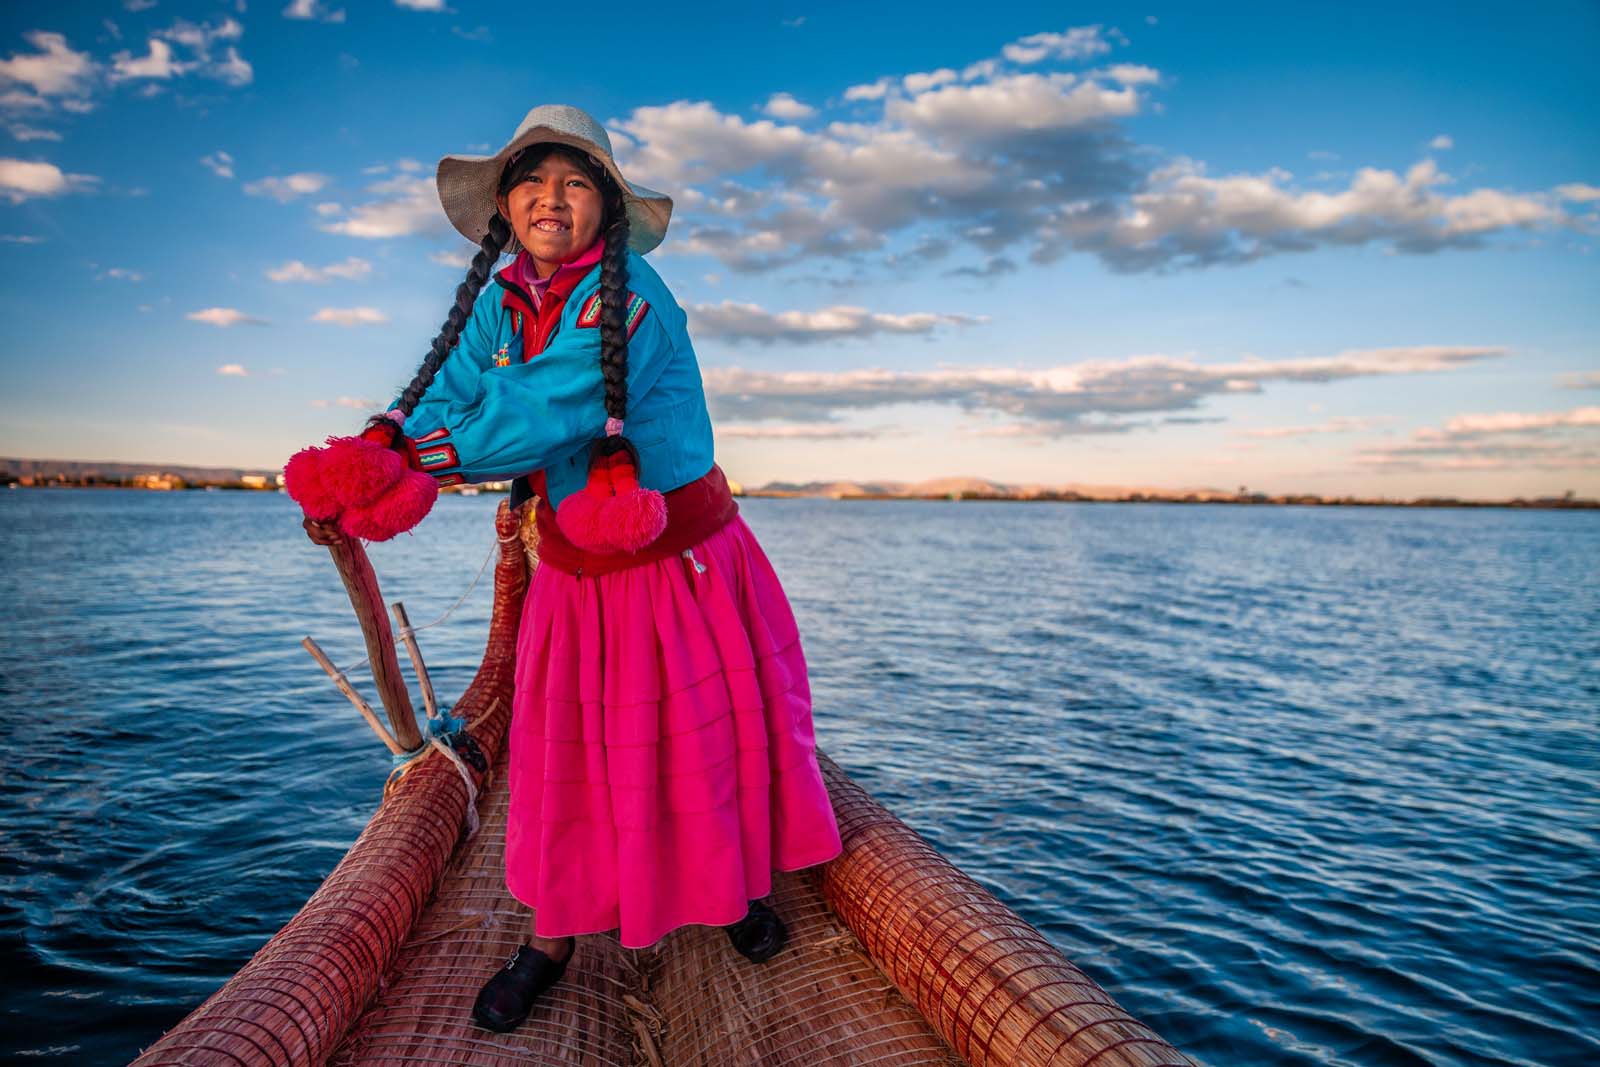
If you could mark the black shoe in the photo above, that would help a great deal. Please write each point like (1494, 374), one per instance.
(759, 935)
(506, 999)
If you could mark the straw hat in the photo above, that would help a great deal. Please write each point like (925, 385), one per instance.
(467, 184)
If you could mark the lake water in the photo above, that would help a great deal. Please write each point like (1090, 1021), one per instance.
(1298, 786)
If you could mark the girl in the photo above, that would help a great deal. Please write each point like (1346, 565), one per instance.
(662, 758)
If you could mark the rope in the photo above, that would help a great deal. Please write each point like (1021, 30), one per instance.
(440, 735)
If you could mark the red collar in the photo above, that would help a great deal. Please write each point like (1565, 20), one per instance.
(521, 273)
(536, 321)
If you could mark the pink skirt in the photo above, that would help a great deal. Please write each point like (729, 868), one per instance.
(662, 757)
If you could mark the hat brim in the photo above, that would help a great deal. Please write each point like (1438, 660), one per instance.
(467, 186)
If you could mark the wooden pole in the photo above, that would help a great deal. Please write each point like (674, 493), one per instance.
(355, 698)
(415, 652)
(362, 584)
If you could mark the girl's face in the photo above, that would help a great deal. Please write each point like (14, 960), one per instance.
(555, 210)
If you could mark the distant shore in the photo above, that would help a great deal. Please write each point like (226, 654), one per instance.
(1158, 496)
(43, 473)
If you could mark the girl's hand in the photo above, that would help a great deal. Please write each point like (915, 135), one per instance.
(323, 533)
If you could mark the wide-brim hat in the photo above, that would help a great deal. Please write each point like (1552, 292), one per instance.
(467, 184)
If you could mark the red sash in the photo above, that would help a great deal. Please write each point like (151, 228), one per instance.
(694, 512)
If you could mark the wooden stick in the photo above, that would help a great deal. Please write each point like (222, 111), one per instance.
(355, 698)
(415, 651)
(362, 585)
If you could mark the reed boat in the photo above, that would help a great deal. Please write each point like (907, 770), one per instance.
(895, 957)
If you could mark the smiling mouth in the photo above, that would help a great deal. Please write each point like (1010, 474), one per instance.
(550, 226)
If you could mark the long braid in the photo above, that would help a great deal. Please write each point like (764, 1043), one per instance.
(614, 313)
(466, 293)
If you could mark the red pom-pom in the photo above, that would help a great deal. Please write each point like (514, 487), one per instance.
(357, 472)
(635, 518)
(578, 517)
(302, 480)
(406, 503)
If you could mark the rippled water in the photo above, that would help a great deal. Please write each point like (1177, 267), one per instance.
(1297, 786)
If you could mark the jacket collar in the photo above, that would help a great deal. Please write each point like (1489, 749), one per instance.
(520, 278)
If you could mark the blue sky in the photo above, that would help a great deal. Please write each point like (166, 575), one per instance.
(1350, 249)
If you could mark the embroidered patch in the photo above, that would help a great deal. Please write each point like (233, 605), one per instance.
(589, 315)
(636, 309)
(436, 435)
(438, 458)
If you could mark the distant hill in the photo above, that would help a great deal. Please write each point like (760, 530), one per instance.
(980, 487)
(78, 470)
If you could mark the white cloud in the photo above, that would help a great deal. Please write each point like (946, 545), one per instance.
(1442, 143)
(286, 188)
(422, 5)
(233, 370)
(1501, 440)
(313, 9)
(224, 317)
(406, 206)
(121, 274)
(21, 239)
(1582, 192)
(296, 271)
(218, 163)
(233, 68)
(1186, 218)
(1089, 397)
(460, 260)
(871, 91)
(199, 42)
(357, 316)
(1016, 102)
(921, 83)
(55, 69)
(785, 106)
(22, 179)
(1503, 422)
(1132, 74)
(329, 208)
(813, 432)
(1078, 43)
(1005, 162)
(17, 101)
(734, 322)
(158, 63)
(31, 133)
(1581, 380)
(358, 403)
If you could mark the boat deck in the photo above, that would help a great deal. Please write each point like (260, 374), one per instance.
(689, 999)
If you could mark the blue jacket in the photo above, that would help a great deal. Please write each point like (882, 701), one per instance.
(491, 419)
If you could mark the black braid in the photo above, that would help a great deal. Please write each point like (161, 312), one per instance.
(466, 293)
(614, 315)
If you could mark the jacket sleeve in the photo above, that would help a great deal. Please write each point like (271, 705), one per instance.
(487, 422)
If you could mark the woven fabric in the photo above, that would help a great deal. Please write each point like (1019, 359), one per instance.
(662, 756)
